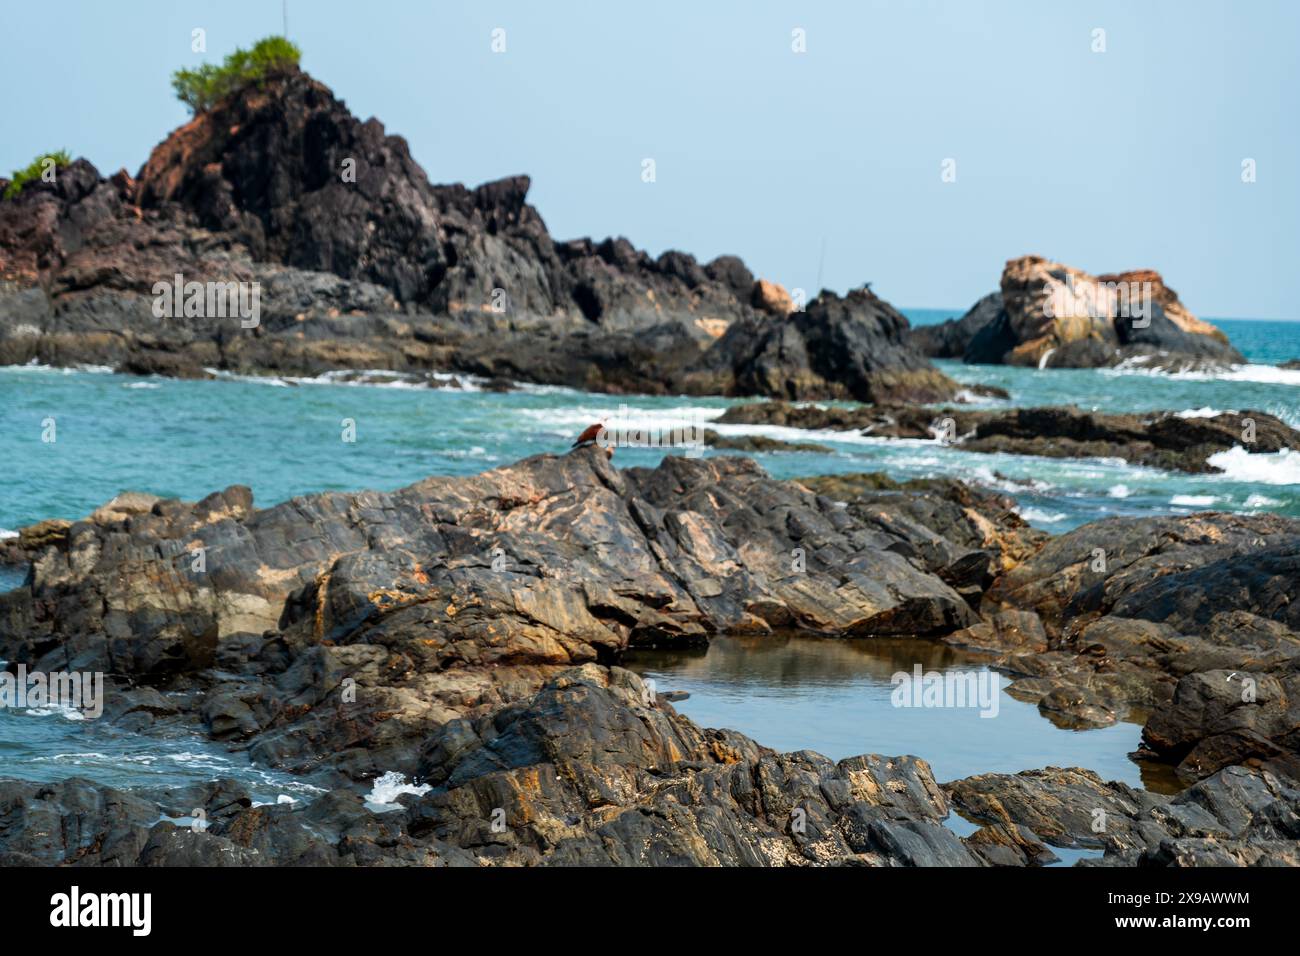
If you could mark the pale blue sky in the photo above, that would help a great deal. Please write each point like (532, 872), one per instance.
(1123, 159)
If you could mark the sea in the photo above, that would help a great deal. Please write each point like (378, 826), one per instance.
(288, 436)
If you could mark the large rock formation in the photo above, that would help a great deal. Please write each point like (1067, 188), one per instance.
(1053, 316)
(362, 263)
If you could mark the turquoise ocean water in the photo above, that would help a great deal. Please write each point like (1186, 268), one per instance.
(282, 437)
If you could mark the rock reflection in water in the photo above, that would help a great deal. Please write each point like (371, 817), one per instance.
(795, 692)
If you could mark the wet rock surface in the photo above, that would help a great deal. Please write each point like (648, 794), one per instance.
(362, 263)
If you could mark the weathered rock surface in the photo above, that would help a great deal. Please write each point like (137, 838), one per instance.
(589, 770)
(456, 595)
(361, 263)
(854, 347)
(464, 632)
(1193, 620)
(952, 338)
(1238, 817)
(1156, 439)
(1053, 316)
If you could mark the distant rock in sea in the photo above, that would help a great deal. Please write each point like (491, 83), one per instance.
(1053, 316)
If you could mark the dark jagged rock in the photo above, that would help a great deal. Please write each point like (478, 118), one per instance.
(1155, 439)
(853, 347)
(952, 339)
(362, 263)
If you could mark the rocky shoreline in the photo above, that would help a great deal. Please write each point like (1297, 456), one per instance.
(467, 632)
(1164, 440)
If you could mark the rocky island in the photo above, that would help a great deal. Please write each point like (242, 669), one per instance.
(362, 263)
(1050, 315)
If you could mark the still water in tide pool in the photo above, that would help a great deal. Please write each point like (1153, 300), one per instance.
(834, 696)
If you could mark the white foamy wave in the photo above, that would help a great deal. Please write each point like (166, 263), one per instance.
(991, 479)
(1280, 468)
(1193, 501)
(367, 377)
(35, 366)
(1120, 491)
(1206, 412)
(1260, 374)
(615, 414)
(142, 385)
(389, 786)
(7, 533)
(1261, 501)
(1038, 516)
(968, 397)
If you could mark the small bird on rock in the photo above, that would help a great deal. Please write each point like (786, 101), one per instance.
(589, 436)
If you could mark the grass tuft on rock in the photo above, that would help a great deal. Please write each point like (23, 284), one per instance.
(35, 170)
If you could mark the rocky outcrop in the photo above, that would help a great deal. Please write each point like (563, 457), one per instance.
(361, 263)
(759, 444)
(466, 632)
(1238, 817)
(1192, 620)
(952, 338)
(591, 770)
(854, 347)
(1156, 439)
(453, 596)
(1050, 315)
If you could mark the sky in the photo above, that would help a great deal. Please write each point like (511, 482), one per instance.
(821, 168)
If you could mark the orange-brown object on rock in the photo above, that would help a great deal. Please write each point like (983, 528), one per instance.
(589, 434)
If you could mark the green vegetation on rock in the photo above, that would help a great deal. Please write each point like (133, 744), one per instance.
(34, 170)
(204, 87)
